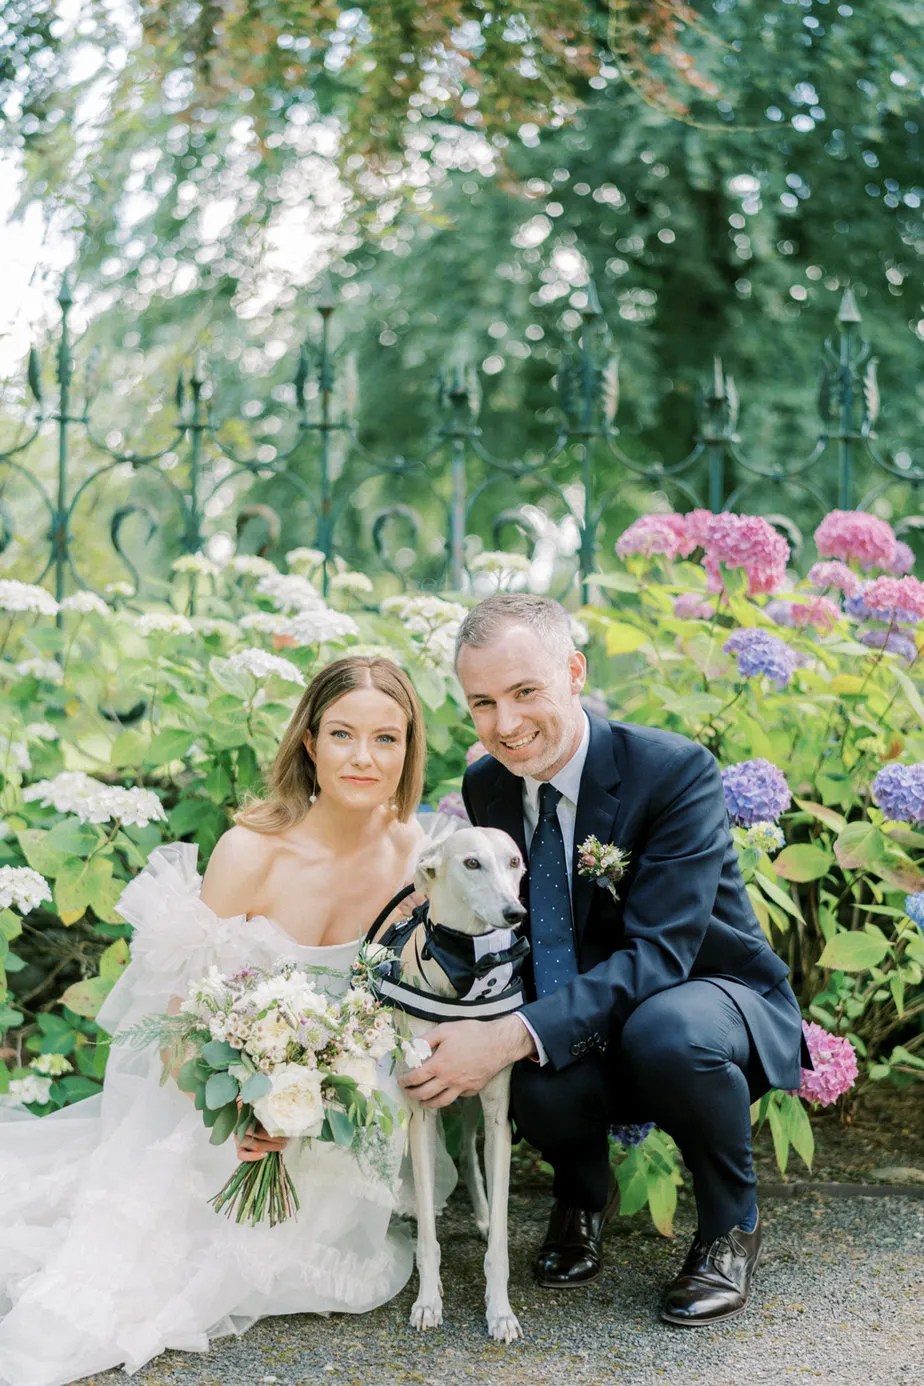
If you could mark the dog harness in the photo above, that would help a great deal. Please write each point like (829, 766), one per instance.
(484, 969)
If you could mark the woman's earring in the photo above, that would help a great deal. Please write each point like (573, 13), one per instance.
(312, 798)
(393, 807)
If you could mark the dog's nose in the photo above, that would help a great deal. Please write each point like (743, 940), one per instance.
(514, 914)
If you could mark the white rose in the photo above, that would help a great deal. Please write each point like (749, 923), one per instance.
(293, 1107)
(360, 1067)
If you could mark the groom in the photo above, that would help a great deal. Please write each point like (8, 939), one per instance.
(664, 1004)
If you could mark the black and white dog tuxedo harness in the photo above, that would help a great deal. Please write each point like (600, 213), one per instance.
(483, 969)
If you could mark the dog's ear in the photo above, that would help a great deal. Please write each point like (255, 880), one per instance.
(426, 866)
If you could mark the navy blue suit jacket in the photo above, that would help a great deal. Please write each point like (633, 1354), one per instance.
(682, 911)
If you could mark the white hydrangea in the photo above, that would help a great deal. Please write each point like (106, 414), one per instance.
(290, 592)
(51, 1065)
(356, 584)
(499, 563)
(119, 589)
(25, 596)
(321, 627)
(215, 625)
(84, 602)
(196, 563)
(163, 623)
(251, 565)
(266, 622)
(263, 665)
(48, 669)
(14, 757)
(26, 1090)
(42, 731)
(304, 558)
(579, 632)
(22, 887)
(423, 613)
(94, 802)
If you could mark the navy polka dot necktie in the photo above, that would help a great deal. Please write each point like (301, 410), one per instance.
(554, 960)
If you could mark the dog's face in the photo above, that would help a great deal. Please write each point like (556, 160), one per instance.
(472, 879)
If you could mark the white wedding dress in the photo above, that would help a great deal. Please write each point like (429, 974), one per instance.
(109, 1250)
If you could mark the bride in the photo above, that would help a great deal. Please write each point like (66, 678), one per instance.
(109, 1250)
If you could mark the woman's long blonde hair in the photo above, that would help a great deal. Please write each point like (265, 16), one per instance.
(292, 778)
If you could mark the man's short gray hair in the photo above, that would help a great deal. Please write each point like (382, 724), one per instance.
(547, 617)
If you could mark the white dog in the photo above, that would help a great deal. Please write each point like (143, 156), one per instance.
(464, 959)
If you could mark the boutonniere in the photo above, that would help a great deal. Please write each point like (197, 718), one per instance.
(603, 864)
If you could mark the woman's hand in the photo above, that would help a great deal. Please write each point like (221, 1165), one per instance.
(255, 1143)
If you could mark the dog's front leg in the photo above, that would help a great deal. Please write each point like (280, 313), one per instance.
(470, 1165)
(428, 1308)
(495, 1099)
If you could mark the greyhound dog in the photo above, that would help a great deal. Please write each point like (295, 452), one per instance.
(471, 881)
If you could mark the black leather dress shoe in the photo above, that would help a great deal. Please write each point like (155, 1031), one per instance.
(572, 1253)
(714, 1280)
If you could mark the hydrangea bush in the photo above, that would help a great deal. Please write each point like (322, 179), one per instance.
(127, 727)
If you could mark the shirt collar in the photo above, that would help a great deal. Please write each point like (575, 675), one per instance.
(568, 779)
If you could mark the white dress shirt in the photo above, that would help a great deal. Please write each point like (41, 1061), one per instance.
(568, 782)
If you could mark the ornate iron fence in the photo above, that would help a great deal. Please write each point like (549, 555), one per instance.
(579, 478)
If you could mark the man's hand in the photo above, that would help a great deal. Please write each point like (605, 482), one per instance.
(466, 1055)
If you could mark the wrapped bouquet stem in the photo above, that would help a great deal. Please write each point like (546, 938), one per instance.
(269, 1047)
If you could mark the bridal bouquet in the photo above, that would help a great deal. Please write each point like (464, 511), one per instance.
(270, 1046)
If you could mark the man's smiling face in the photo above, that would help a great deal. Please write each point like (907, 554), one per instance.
(524, 700)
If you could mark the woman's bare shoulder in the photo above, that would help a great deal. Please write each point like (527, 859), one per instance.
(237, 870)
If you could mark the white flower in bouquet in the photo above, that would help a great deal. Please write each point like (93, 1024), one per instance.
(269, 1039)
(381, 1039)
(22, 887)
(293, 1106)
(94, 802)
(82, 603)
(415, 1051)
(291, 989)
(208, 994)
(360, 1067)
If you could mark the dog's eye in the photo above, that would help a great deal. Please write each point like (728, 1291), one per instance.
(471, 864)
(514, 863)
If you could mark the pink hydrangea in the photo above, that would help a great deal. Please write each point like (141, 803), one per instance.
(651, 534)
(689, 606)
(903, 595)
(834, 574)
(835, 1065)
(903, 559)
(820, 612)
(698, 526)
(475, 752)
(854, 536)
(749, 542)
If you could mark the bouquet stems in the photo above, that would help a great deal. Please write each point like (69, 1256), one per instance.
(258, 1191)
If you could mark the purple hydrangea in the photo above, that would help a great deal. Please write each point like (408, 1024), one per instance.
(899, 792)
(893, 641)
(856, 606)
(755, 792)
(779, 611)
(758, 652)
(914, 908)
(627, 1136)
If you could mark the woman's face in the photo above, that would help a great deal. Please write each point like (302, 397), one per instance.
(359, 749)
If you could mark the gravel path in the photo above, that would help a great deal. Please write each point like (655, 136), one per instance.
(839, 1299)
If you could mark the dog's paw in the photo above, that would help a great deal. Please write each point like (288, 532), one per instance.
(427, 1314)
(504, 1327)
(483, 1226)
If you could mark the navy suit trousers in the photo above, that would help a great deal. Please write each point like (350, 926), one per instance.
(685, 1061)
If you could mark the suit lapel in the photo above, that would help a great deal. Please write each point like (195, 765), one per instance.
(505, 811)
(597, 810)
